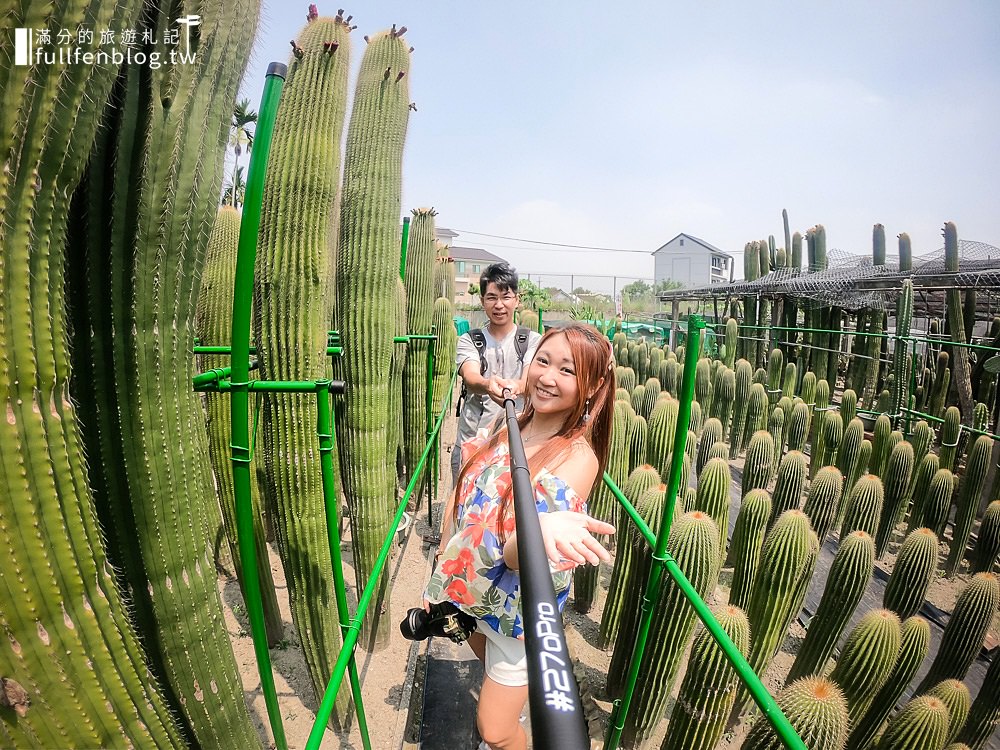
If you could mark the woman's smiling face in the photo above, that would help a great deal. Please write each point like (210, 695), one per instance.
(552, 383)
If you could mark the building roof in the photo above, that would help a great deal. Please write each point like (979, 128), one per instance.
(473, 253)
(704, 244)
(445, 232)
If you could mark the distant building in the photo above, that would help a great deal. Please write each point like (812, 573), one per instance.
(470, 262)
(692, 262)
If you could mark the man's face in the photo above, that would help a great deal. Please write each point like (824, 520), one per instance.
(499, 304)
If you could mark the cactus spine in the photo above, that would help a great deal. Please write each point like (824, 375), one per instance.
(743, 375)
(660, 437)
(922, 724)
(213, 327)
(711, 433)
(703, 386)
(867, 659)
(638, 431)
(958, 701)
(748, 540)
(71, 643)
(969, 492)
(916, 564)
(848, 406)
(821, 503)
(864, 506)
(368, 266)
(708, 691)
(915, 640)
(880, 444)
(984, 716)
(757, 412)
(759, 457)
(850, 573)
(722, 400)
(964, 634)
(825, 453)
(798, 427)
(896, 480)
(694, 545)
(816, 709)
(988, 546)
(713, 498)
(788, 486)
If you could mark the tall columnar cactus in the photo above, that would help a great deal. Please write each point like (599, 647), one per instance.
(896, 480)
(638, 431)
(939, 385)
(825, 452)
(70, 642)
(722, 401)
(626, 379)
(652, 386)
(759, 457)
(957, 699)
(969, 492)
(693, 544)
(708, 691)
(848, 405)
(776, 429)
(784, 561)
(921, 437)
(922, 724)
(900, 358)
(757, 412)
(821, 504)
(743, 375)
(880, 445)
(850, 451)
(660, 437)
(950, 434)
(790, 381)
(638, 399)
(864, 506)
(711, 433)
(956, 324)
(798, 427)
(151, 199)
(965, 631)
(395, 450)
(643, 481)
(819, 414)
(922, 477)
(850, 573)
(807, 389)
(213, 326)
(912, 573)
(984, 716)
(713, 498)
(419, 281)
(788, 486)
(915, 640)
(816, 709)
(988, 546)
(731, 340)
(775, 371)
(367, 270)
(444, 352)
(703, 386)
(867, 659)
(444, 277)
(747, 542)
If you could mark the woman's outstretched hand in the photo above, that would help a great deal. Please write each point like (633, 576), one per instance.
(495, 387)
(569, 536)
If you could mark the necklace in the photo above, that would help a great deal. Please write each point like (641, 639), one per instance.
(533, 437)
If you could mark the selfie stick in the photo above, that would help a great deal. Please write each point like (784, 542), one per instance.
(557, 720)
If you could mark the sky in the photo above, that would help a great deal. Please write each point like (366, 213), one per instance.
(620, 126)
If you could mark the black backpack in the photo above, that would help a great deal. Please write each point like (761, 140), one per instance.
(479, 340)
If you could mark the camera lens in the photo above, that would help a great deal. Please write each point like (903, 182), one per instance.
(414, 625)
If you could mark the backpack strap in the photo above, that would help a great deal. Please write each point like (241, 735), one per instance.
(479, 339)
(521, 343)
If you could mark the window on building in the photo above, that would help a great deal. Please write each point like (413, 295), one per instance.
(717, 263)
(475, 268)
(682, 242)
(460, 267)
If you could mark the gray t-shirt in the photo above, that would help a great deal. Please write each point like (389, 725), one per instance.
(479, 410)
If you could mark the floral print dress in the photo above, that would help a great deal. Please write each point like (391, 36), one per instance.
(471, 572)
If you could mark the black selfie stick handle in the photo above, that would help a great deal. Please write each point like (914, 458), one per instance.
(557, 720)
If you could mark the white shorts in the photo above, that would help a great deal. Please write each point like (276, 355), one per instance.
(506, 662)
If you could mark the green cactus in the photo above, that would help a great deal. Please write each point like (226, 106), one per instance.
(743, 376)
(940, 383)
(848, 406)
(732, 337)
(900, 358)
(798, 427)
(626, 378)
(849, 455)
(71, 643)
(864, 506)
(969, 492)
(966, 629)
(719, 450)
(881, 445)
(816, 709)
(713, 498)
(821, 503)
(670, 377)
(958, 701)
(759, 457)
(819, 414)
(789, 382)
(655, 358)
(695, 424)
(950, 434)
(444, 278)
(784, 560)
(637, 488)
(419, 281)
(708, 691)
(988, 546)
(711, 433)
(920, 438)
(776, 428)
(757, 412)
(867, 659)
(747, 542)
(638, 432)
(807, 390)
(825, 453)
(915, 639)
(921, 482)
(660, 436)
(693, 543)
(788, 486)
(956, 324)
(984, 716)
(912, 573)
(703, 385)
(896, 480)
(786, 405)
(213, 326)
(922, 724)
(775, 370)
(638, 397)
(722, 400)
(651, 393)
(395, 453)
(444, 352)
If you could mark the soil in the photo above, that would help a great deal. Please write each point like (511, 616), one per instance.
(387, 676)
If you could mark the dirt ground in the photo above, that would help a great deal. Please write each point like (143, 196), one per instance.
(387, 676)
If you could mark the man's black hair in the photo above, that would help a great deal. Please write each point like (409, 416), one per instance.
(502, 274)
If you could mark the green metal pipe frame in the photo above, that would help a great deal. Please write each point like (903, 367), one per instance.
(403, 246)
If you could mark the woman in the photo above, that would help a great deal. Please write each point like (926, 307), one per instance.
(565, 427)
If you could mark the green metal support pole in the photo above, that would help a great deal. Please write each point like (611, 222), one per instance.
(403, 247)
(327, 439)
(429, 427)
(239, 403)
(695, 326)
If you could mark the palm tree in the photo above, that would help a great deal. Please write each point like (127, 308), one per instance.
(241, 137)
(235, 190)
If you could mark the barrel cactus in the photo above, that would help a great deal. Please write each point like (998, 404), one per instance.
(969, 492)
(757, 467)
(747, 542)
(821, 503)
(988, 546)
(825, 454)
(912, 573)
(711, 433)
(757, 412)
(816, 709)
(743, 375)
(881, 444)
(896, 480)
(957, 699)
(798, 427)
(638, 431)
(984, 716)
(660, 436)
(848, 405)
(713, 498)
(722, 400)
(867, 659)
(922, 724)
(788, 486)
(950, 434)
(864, 506)
(921, 483)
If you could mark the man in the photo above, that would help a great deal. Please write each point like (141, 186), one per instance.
(499, 351)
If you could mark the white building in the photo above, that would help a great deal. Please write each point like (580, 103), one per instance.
(692, 262)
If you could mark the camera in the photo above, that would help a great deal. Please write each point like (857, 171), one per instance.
(444, 619)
